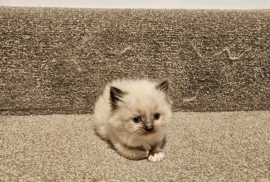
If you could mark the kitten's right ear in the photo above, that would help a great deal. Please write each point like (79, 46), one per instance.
(115, 96)
(163, 86)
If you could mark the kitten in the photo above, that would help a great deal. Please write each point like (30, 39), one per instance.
(134, 115)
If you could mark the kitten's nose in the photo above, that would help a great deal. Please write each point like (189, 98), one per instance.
(149, 127)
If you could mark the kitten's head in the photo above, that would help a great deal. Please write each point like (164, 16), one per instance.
(141, 107)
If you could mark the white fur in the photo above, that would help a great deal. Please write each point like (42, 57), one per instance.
(143, 99)
(157, 157)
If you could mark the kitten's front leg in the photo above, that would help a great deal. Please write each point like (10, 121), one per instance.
(156, 153)
(131, 153)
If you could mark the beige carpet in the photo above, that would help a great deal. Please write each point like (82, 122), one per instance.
(232, 146)
(58, 60)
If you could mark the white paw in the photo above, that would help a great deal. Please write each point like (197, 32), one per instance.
(157, 157)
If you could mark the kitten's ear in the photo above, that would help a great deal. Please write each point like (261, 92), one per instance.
(115, 96)
(163, 86)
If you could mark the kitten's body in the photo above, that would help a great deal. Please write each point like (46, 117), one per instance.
(134, 116)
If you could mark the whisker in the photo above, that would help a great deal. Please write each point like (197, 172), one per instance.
(133, 138)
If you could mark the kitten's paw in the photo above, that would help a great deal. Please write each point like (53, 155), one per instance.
(156, 157)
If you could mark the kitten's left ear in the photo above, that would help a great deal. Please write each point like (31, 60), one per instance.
(163, 86)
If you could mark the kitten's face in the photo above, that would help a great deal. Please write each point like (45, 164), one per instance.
(144, 112)
(144, 119)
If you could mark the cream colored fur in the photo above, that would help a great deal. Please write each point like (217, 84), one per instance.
(142, 98)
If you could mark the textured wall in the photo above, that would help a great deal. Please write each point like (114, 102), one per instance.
(56, 60)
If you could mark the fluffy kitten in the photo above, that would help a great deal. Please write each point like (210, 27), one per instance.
(134, 116)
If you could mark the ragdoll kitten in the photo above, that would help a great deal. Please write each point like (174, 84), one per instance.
(134, 116)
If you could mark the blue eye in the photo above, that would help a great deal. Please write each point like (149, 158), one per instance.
(156, 116)
(137, 119)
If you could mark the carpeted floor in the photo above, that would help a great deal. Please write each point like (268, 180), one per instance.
(230, 146)
(57, 60)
